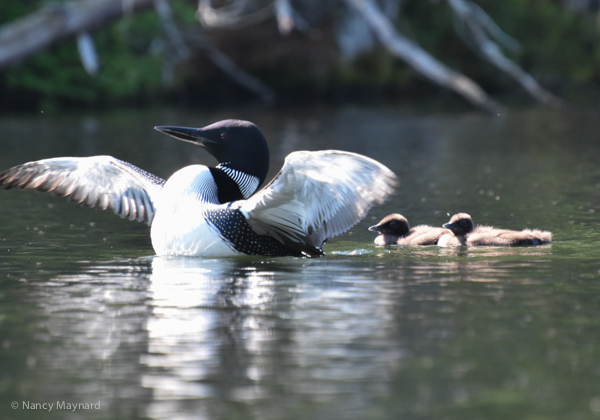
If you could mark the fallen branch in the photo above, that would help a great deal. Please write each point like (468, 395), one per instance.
(87, 53)
(232, 16)
(55, 22)
(163, 9)
(468, 13)
(419, 59)
(284, 15)
(228, 66)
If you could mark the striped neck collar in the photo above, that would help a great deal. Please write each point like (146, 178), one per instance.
(246, 183)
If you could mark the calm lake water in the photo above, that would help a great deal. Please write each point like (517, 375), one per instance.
(89, 315)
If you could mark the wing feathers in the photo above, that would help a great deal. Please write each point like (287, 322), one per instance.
(317, 195)
(98, 181)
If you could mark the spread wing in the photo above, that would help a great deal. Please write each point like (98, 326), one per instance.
(317, 195)
(98, 181)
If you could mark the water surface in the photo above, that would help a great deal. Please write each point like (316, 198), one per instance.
(88, 314)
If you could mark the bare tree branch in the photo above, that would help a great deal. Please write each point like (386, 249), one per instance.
(87, 53)
(163, 9)
(232, 16)
(284, 15)
(52, 23)
(469, 13)
(419, 59)
(228, 66)
(55, 22)
(491, 28)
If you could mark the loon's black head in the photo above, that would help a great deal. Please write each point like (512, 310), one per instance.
(460, 224)
(392, 224)
(237, 145)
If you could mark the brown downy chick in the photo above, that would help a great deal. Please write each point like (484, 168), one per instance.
(394, 229)
(465, 233)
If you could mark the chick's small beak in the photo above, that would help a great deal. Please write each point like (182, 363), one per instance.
(375, 228)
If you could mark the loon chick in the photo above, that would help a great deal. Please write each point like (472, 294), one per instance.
(395, 230)
(216, 211)
(465, 233)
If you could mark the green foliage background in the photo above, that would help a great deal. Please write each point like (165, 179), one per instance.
(560, 49)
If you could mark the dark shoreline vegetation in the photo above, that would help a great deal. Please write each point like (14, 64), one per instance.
(559, 48)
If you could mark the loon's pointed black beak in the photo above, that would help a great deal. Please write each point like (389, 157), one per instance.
(191, 135)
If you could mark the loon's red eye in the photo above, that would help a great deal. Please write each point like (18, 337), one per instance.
(223, 135)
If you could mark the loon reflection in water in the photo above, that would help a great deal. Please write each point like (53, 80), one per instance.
(217, 211)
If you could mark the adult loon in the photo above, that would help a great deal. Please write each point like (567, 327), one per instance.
(216, 211)
(394, 230)
(465, 233)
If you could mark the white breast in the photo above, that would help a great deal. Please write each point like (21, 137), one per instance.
(179, 226)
